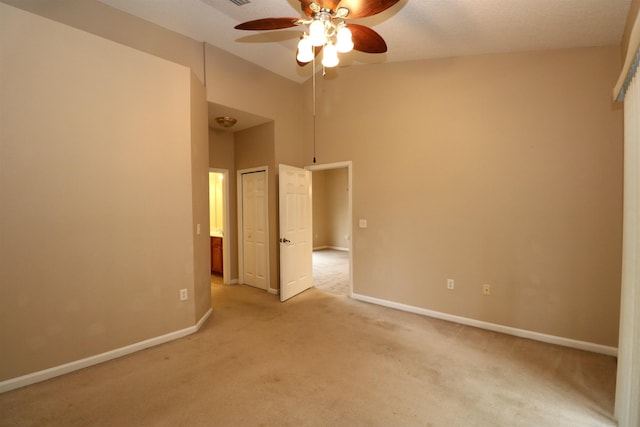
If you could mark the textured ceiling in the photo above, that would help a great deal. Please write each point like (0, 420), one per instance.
(413, 29)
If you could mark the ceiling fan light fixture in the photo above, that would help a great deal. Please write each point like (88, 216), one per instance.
(317, 33)
(327, 28)
(342, 12)
(315, 7)
(330, 55)
(344, 40)
(305, 50)
(226, 121)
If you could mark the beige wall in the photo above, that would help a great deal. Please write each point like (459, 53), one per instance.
(631, 19)
(239, 84)
(96, 225)
(222, 156)
(499, 169)
(246, 149)
(231, 81)
(200, 198)
(221, 150)
(319, 210)
(254, 147)
(338, 198)
(330, 208)
(113, 24)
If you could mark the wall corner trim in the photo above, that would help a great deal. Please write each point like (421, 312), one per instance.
(35, 377)
(522, 333)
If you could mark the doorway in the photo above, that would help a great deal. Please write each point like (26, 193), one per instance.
(253, 227)
(219, 223)
(332, 228)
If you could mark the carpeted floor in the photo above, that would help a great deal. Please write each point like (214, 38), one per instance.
(322, 359)
(331, 271)
(217, 279)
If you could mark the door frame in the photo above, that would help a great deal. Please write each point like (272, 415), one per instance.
(339, 165)
(239, 198)
(226, 263)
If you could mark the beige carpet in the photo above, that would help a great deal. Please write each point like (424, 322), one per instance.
(331, 271)
(325, 360)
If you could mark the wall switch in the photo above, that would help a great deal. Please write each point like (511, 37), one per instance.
(198, 229)
(450, 284)
(183, 294)
(486, 289)
(362, 223)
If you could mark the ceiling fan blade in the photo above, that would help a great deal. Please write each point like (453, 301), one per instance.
(305, 5)
(268, 24)
(366, 40)
(363, 8)
(329, 4)
(316, 49)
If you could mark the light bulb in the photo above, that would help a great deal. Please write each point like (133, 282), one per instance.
(330, 55)
(345, 43)
(305, 50)
(316, 33)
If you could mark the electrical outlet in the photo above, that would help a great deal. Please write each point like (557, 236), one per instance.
(183, 294)
(486, 289)
(450, 284)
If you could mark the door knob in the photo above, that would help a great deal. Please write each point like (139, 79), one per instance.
(285, 240)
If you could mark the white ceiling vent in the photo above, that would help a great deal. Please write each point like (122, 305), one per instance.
(239, 2)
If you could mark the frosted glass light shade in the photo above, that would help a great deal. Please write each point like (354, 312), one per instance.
(305, 50)
(330, 56)
(316, 33)
(345, 42)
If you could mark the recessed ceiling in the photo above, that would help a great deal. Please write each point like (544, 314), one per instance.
(413, 29)
(245, 120)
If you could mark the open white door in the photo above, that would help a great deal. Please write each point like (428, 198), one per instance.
(296, 243)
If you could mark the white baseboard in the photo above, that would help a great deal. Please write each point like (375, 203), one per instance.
(56, 371)
(522, 333)
(273, 291)
(203, 319)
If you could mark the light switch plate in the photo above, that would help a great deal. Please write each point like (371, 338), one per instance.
(363, 223)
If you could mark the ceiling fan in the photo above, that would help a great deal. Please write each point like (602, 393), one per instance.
(328, 28)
